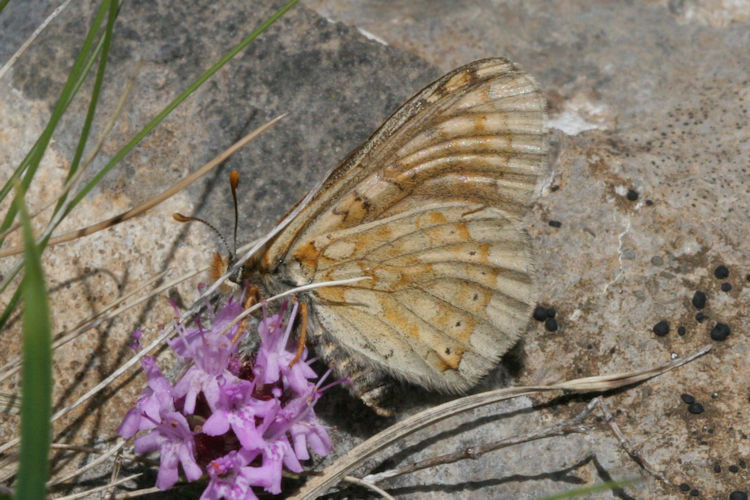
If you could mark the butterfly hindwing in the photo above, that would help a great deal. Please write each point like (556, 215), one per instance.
(428, 209)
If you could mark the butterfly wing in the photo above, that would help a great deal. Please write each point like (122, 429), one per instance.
(427, 208)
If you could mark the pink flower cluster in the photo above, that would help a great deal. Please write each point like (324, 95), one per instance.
(238, 421)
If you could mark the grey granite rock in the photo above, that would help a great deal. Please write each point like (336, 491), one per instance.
(645, 97)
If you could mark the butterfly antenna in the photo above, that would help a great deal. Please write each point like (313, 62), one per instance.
(234, 180)
(182, 218)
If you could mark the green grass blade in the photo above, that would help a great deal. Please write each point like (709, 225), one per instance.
(86, 129)
(597, 488)
(36, 375)
(30, 163)
(133, 142)
(10, 308)
(178, 100)
(3, 3)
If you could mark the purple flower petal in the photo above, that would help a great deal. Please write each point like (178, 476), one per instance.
(226, 480)
(265, 405)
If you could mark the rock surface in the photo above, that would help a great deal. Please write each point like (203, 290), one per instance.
(650, 99)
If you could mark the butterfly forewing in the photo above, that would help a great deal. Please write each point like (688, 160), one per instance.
(428, 209)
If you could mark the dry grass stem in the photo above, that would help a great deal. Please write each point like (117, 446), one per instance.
(175, 188)
(366, 484)
(357, 455)
(31, 39)
(73, 182)
(89, 493)
(625, 444)
(104, 456)
(567, 427)
(106, 314)
(292, 291)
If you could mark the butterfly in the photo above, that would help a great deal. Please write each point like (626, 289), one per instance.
(428, 209)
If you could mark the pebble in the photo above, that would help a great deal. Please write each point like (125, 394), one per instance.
(661, 328)
(721, 272)
(699, 300)
(688, 398)
(540, 313)
(720, 332)
(695, 408)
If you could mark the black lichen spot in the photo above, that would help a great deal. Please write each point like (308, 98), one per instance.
(632, 195)
(721, 272)
(555, 223)
(699, 300)
(550, 324)
(684, 487)
(700, 317)
(687, 398)
(738, 495)
(540, 313)
(733, 468)
(695, 408)
(681, 331)
(725, 287)
(551, 312)
(720, 332)
(661, 328)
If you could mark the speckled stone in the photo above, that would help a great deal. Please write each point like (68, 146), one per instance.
(644, 96)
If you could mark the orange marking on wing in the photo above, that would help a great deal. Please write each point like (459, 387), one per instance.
(437, 218)
(308, 255)
(463, 231)
(372, 239)
(458, 81)
(451, 357)
(396, 317)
